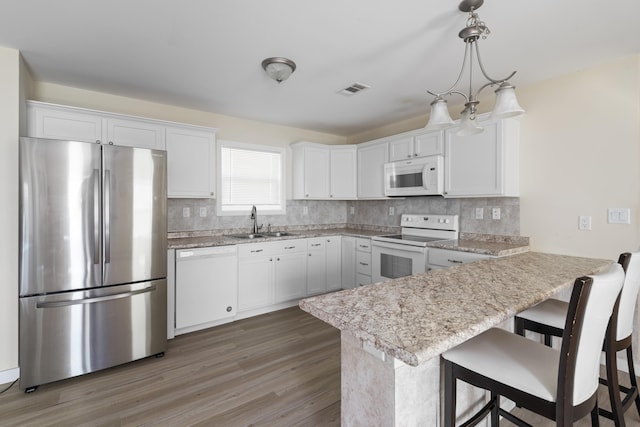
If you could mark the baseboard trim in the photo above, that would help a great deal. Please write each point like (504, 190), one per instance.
(9, 376)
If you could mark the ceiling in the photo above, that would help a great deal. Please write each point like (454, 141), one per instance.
(206, 55)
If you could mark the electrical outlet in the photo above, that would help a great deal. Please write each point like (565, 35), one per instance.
(584, 222)
(392, 210)
(479, 213)
(495, 213)
(186, 212)
(305, 210)
(203, 212)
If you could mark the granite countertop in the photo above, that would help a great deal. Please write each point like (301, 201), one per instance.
(187, 240)
(416, 318)
(486, 244)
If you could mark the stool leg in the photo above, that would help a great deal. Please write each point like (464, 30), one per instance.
(632, 377)
(613, 385)
(495, 417)
(595, 421)
(449, 395)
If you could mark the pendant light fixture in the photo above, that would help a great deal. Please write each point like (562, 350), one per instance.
(506, 102)
(278, 68)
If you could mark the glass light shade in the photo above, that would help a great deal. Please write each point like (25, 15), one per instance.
(468, 125)
(506, 103)
(278, 72)
(439, 117)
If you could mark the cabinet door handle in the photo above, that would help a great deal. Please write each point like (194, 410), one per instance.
(363, 246)
(455, 261)
(277, 259)
(289, 247)
(256, 250)
(315, 244)
(270, 259)
(363, 263)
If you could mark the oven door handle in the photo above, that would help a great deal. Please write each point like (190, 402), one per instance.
(398, 246)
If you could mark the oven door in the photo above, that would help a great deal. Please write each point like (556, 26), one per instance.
(394, 260)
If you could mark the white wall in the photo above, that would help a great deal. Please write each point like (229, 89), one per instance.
(9, 130)
(580, 154)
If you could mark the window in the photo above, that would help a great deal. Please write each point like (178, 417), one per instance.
(250, 175)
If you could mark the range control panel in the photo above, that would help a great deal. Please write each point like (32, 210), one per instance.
(434, 222)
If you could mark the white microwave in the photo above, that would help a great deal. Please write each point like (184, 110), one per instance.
(423, 176)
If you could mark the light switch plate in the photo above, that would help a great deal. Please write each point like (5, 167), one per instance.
(495, 213)
(203, 212)
(479, 213)
(619, 216)
(392, 210)
(186, 212)
(305, 210)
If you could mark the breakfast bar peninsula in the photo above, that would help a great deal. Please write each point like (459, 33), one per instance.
(392, 333)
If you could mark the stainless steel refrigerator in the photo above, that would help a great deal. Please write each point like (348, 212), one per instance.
(93, 257)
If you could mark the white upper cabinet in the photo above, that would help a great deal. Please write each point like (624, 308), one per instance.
(324, 171)
(410, 146)
(77, 124)
(57, 122)
(485, 164)
(135, 133)
(371, 159)
(190, 149)
(190, 162)
(343, 176)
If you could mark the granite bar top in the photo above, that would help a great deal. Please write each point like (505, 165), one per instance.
(416, 318)
(486, 244)
(187, 240)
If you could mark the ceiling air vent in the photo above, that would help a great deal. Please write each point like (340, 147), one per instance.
(353, 89)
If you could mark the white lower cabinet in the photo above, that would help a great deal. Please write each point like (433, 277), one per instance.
(291, 275)
(324, 262)
(334, 262)
(270, 273)
(348, 262)
(363, 261)
(206, 286)
(444, 258)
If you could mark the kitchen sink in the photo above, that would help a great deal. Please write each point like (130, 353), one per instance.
(277, 234)
(247, 236)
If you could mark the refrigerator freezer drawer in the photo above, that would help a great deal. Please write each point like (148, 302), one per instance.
(74, 333)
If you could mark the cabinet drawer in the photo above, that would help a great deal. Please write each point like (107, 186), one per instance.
(251, 250)
(363, 245)
(363, 263)
(363, 279)
(316, 243)
(448, 258)
(288, 246)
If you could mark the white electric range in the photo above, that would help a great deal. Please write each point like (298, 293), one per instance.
(398, 255)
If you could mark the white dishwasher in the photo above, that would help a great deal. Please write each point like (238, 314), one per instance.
(206, 286)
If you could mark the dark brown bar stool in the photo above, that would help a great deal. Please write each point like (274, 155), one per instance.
(548, 317)
(559, 385)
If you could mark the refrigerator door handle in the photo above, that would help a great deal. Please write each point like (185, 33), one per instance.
(107, 216)
(67, 303)
(96, 216)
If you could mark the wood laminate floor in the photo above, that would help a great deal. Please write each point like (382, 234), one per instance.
(278, 369)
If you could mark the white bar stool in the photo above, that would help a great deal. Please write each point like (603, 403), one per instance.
(548, 318)
(559, 385)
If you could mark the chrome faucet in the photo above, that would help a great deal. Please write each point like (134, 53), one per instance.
(254, 218)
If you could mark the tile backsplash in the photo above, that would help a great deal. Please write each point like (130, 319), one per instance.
(384, 213)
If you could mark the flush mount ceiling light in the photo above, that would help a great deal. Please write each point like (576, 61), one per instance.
(506, 102)
(278, 68)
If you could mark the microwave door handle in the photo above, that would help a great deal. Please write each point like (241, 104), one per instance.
(426, 184)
